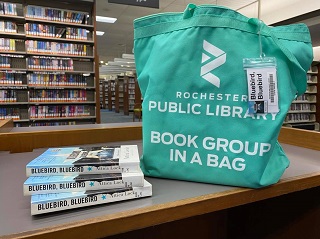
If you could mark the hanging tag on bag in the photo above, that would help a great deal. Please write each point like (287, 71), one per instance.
(261, 74)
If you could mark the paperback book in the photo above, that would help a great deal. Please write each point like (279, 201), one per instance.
(81, 182)
(44, 203)
(85, 160)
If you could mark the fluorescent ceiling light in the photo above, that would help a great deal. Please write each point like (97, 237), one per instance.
(99, 33)
(128, 56)
(106, 19)
(111, 63)
(128, 61)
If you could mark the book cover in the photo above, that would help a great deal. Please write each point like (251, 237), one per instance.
(81, 182)
(44, 203)
(85, 160)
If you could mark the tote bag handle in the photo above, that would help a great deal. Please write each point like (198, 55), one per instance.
(298, 73)
(297, 70)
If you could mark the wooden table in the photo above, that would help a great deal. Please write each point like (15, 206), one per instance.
(177, 209)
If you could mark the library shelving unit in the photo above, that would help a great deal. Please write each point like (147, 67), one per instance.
(103, 89)
(111, 94)
(47, 62)
(303, 111)
(119, 88)
(129, 94)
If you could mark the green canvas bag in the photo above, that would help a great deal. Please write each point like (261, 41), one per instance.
(216, 89)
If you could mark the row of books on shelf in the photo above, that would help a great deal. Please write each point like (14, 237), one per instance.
(6, 60)
(8, 27)
(8, 96)
(58, 15)
(73, 177)
(45, 79)
(7, 44)
(45, 30)
(8, 113)
(299, 117)
(8, 8)
(312, 78)
(76, 33)
(34, 46)
(37, 124)
(39, 62)
(48, 111)
(10, 78)
(306, 97)
(42, 30)
(58, 95)
(301, 107)
(49, 63)
(54, 111)
(311, 89)
(45, 13)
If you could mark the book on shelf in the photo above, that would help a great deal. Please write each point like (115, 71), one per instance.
(45, 203)
(60, 95)
(7, 96)
(7, 113)
(58, 48)
(60, 32)
(58, 15)
(85, 160)
(59, 111)
(7, 44)
(76, 33)
(81, 182)
(55, 79)
(8, 8)
(7, 26)
(36, 124)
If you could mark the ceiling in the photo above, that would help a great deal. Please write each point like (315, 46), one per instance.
(118, 37)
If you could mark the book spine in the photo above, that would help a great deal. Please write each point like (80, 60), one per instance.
(134, 180)
(89, 200)
(45, 171)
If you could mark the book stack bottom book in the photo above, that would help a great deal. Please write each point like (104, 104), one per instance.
(73, 177)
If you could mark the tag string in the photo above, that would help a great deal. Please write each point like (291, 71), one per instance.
(262, 55)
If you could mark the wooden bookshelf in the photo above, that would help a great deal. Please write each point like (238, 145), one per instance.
(304, 111)
(119, 94)
(38, 47)
(111, 95)
(103, 91)
(132, 94)
(126, 95)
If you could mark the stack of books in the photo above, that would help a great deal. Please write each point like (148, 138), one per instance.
(73, 177)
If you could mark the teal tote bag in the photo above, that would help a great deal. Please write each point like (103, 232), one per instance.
(216, 89)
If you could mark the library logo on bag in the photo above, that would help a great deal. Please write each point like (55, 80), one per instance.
(212, 58)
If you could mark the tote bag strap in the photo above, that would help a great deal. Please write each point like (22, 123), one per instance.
(165, 23)
(298, 72)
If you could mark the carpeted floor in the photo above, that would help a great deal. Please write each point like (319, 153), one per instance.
(112, 117)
